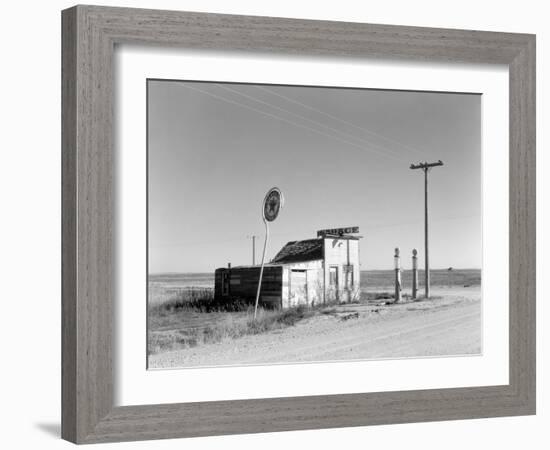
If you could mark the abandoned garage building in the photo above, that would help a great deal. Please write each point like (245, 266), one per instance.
(308, 272)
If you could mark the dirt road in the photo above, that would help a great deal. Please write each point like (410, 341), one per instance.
(448, 326)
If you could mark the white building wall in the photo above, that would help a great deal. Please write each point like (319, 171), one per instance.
(305, 287)
(340, 253)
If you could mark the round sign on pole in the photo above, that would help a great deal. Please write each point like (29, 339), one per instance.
(273, 202)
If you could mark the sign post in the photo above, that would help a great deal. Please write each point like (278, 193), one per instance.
(272, 204)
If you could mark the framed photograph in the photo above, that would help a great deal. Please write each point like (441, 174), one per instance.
(278, 224)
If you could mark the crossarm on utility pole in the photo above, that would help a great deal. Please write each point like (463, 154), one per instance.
(426, 165)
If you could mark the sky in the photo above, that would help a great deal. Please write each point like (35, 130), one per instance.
(340, 156)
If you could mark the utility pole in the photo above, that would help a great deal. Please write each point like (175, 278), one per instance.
(253, 237)
(425, 166)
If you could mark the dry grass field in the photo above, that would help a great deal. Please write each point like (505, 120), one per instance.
(447, 324)
(174, 327)
(184, 320)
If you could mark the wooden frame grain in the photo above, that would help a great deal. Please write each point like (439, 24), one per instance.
(89, 36)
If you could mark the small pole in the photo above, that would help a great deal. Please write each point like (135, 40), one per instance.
(228, 278)
(253, 250)
(397, 265)
(414, 274)
(261, 270)
(253, 237)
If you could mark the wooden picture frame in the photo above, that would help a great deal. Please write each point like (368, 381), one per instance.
(89, 37)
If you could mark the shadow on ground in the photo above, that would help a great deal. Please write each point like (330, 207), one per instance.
(53, 429)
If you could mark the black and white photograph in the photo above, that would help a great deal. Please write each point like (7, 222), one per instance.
(302, 224)
(275, 225)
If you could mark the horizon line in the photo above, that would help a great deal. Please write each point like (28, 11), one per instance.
(361, 270)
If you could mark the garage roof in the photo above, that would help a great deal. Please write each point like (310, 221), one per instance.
(299, 251)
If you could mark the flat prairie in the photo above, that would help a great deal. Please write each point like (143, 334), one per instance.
(448, 324)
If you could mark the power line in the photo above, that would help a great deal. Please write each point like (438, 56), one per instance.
(316, 122)
(366, 130)
(389, 155)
